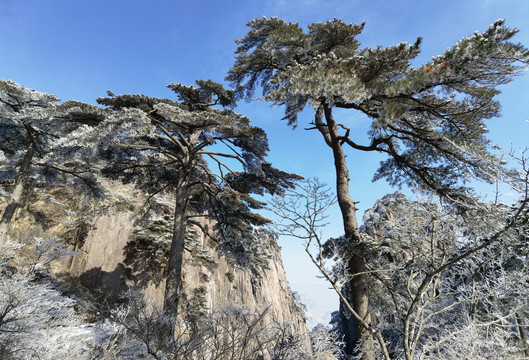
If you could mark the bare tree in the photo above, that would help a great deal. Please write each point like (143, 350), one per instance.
(37, 321)
(438, 276)
(229, 332)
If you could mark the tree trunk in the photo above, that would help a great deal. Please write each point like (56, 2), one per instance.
(22, 187)
(523, 336)
(356, 266)
(176, 256)
(173, 285)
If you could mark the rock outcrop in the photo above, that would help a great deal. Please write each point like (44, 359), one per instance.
(100, 263)
(102, 235)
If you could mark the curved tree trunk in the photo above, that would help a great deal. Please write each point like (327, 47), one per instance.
(356, 266)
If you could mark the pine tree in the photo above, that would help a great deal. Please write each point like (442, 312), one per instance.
(428, 120)
(167, 146)
(43, 141)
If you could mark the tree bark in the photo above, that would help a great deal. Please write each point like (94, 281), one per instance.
(523, 336)
(356, 267)
(173, 276)
(22, 186)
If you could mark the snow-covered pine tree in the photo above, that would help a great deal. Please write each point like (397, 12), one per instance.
(427, 120)
(167, 146)
(43, 141)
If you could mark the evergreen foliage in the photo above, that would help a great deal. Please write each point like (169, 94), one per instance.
(43, 142)
(429, 120)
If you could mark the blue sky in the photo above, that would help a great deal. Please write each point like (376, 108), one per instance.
(80, 49)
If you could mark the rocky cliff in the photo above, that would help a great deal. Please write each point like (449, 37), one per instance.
(100, 263)
(114, 250)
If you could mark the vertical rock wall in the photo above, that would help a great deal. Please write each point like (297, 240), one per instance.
(99, 263)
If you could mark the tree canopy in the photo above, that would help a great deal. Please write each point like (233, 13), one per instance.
(428, 119)
(417, 279)
(43, 141)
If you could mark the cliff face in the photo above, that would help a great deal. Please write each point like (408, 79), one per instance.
(100, 262)
(228, 284)
(112, 252)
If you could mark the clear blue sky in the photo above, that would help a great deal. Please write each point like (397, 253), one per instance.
(80, 49)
